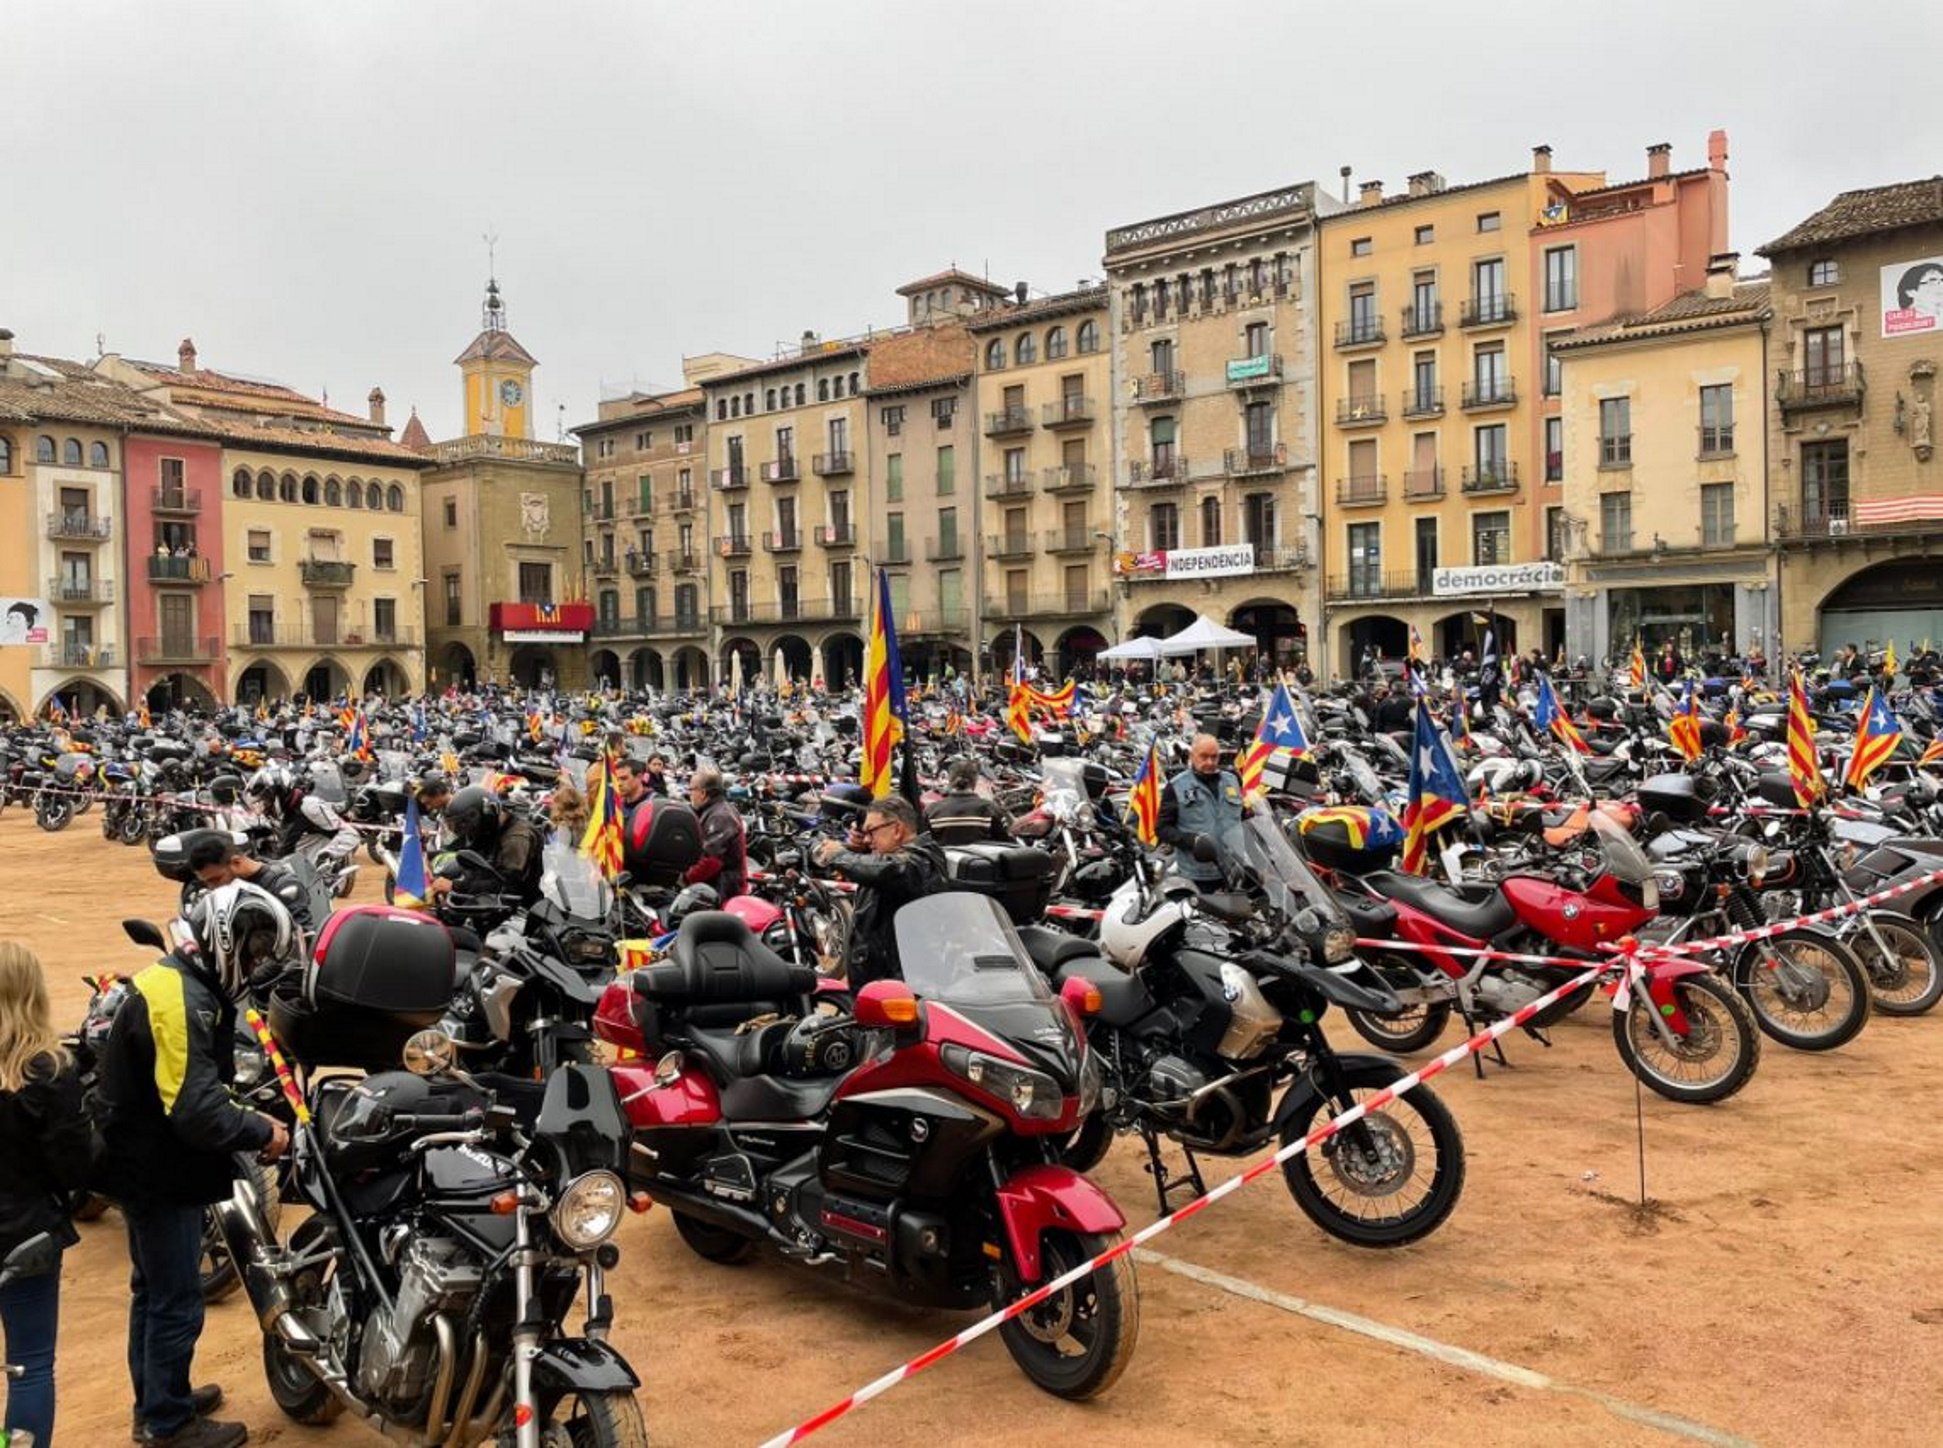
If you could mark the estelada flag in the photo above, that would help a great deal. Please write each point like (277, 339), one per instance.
(1684, 727)
(1876, 737)
(1804, 770)
(1636, 669)
(410, 890)
(1553, 719)
(1281, 728)
(884, 708)
(1143, 804)
(1436, 794)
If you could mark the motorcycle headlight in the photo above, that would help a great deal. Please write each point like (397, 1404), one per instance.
(251, 1065)
(1338, 944)
(1758, 861)
(1032, 1093)
(589, 1210)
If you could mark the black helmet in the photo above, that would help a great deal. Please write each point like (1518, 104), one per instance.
(226, 789)
(474, 818)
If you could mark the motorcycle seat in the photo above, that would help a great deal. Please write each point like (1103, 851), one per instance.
(1123, 998)
(1370, 917)
(1051, 948)
(716, 960)
(1480, 919)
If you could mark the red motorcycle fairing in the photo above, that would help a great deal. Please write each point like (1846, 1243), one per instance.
(1660, 973)
(1039, 1199)
(689, 1100)
(614, 1021)
(921, 1064)
(755, 912)
(1579, 920)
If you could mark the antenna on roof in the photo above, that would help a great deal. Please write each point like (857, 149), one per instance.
(101, 344)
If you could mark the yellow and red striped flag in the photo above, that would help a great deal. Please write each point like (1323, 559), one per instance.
(883, 693)
(1143, 804)
(1804, 770)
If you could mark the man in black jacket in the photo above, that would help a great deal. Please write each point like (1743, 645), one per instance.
(170, 1130)
(724, 865)
(893, 865)
(964, 816)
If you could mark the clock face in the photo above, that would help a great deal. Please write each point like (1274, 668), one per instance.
(510, 392)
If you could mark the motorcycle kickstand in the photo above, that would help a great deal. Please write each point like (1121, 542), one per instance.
(1472, 1025)
(1166, 1184)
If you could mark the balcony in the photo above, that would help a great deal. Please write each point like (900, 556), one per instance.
(1498, 309)
(786, 610)
(1070, 479)
(179, 502)
(601, 512)
(605, 564)
(684, 562)
(1005, 547)
(1072, 604)
(1159, 387)
(76, 656)
(1284, 559)
(1251, 462)
(729, 479)
(733, 545)
(1716, 440)
(1491, 478)
(1008, 422)
(1263, 370)
(833, 464)
(265, 635)
(1819, 387)
(1840, 518)
(641, 565)
(79, 528)
(1009, 486)
(1157, 473)
(920, 621)
(948, 549)
(1363, 492)
(81, 592)
(1424, 402)
(1361, 411)
(1423, 484)
(1068, 412)
(894, 552)
(177, 649)
(836, 535)
(788, 540)
(1484, 393)
(1359, 332)
(683, 501)
(1079, 539)
(1371, 583)
(782, 470)
(323, 573)
(1425, 319)
(179, 570)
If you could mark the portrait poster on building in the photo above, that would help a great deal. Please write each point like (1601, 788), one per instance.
(1912, 297)
(25, 621)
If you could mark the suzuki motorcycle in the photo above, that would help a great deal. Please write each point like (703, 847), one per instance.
(914, 1142)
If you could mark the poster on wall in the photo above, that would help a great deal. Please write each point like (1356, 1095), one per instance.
(25, 621)
(1912, 297)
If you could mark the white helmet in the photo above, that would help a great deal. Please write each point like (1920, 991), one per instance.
(234, 929)
(1127, 934)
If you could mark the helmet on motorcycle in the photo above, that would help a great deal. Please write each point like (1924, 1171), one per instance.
(234, 929)
(226, 789)
(474, 818)
(269, 784)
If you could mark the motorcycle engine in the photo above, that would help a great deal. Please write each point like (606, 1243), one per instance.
(1170, 1078)
(1506, 990)
(396, 1355)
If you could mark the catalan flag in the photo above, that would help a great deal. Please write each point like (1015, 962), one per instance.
(1553, 719)
(357, 743)
(1933, 754)
(1684, 728)
(1876, 736)
(1889, 662)
(603, 840)
(1636, 668)
(1436, 793)
(410, 891)
(884, 708)
(1143, 804)
(1803, 767)
(141, 715)
(1281, 728)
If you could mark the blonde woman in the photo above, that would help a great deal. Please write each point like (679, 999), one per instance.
(46, 1145)
(567, 811)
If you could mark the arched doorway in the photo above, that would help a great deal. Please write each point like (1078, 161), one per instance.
(9, 710)
(387, 677)
(80, 698)
(326, 679)
(691, 669)
(173, 691)
(750, 657)
(1455, 633)
(644, 671)
(1161, 620)
(843, 660)
(1074, 652)
(1389, 636)
(796, 658)
(531, 666)
(261, 681)
(605, 667)
(1003, 644)
(455, 666)
(1899, 601)
(1277, 628)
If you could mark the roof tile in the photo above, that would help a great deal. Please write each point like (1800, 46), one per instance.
(1864, 213)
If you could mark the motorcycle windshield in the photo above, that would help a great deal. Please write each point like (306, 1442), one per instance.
(574, 883)
(1291, 885)
(1064, 782)
(1624, 859)
(960, 948)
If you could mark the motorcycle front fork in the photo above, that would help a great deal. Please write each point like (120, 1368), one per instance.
(526, 1339)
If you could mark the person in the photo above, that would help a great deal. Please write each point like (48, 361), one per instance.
(893, 863)
(1394, 711)
(567, 812)
(963, 816)
(630, 782)
(170, 1133)
(656, 779)
(47, 1146)
(434, 794)
(1670, 665)
(215, 860)
(724, 865)
(478, 821)
(1203, 799)
(305, 819)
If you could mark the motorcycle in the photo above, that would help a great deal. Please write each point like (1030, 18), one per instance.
(1212, 1003)
(914, 1142)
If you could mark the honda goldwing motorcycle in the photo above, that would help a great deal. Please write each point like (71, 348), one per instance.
(914, 1142)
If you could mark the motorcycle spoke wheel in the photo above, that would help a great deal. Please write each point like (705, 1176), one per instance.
(1713, 1060)
(1807, 991)
(1077, 1342)
(1909, 982)
(1383, 1181)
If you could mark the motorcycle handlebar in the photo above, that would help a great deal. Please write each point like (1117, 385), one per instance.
(464, 1122)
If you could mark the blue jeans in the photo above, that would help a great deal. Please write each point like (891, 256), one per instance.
(30, 1311)
(164, 1311)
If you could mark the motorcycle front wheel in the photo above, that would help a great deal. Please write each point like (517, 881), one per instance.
(596, 1420)
(295, 1387)
(1087, 1147)
(132, 829)
(53, 814)
(1413, 1028)
(1384, 1181)
(1806, 989)
(1715, 1058)
(1077, 1342)
(712, 1243)
(1909, 981)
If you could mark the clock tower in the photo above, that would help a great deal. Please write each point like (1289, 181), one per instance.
(498, 376)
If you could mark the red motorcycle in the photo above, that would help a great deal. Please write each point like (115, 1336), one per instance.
(1678, 1028)
(915, 1140)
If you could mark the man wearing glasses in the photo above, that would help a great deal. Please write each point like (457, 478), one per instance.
(893, 864)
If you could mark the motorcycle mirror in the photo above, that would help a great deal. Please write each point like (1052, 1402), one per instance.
(428, 1053)
(886, 1004)
(142, 932)
(1206, 850)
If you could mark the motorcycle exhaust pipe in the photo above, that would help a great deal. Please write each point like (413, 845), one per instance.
(469, 1394)
(245, 1233)
(448, 1360)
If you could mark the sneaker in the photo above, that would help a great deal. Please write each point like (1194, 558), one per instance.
(202, 1402)
(204, 1433)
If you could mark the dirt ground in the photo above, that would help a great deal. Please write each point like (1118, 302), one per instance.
(1785, 1288)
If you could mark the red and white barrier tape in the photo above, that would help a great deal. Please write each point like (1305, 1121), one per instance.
(1735, 938)
(1153, 1229)
(1074, 912)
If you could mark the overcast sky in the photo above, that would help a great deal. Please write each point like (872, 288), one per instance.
(304, 187)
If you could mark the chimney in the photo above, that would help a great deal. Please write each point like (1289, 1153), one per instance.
(185, 355)
(1344, 172)
(1659, 159)
(809, 340)
(1721, 268)
(1716, 150)
(1541, 160)
(6, 344)
(1370, 193)
(1426, 183)
(377, 401)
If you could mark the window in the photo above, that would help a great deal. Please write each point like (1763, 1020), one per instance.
(1487, 290)
(1210, 522)
(1825, 482)
(1717, 515)
(1014, 468)
(1491, 538)
(1088, 339)
(1554, 372)
(822, 389)
(1489, 454)
(995, 355)
(894, 478)
(1365, 559)
(721, 409)
(451, 512)
(1561, 278)
(374, 496)
(894, 539)
(1823, 351)
(44, 451)
(259, 545)
(384, 619)
(947, 532)
(1161, 433)
(1554, 449)
(6, 457)
(382, 555)
(452, 600)
(893, 420)
(1426, 555)
(71, 452)
(1362, 392)
(769, 400)
(354, 494)
(1360, 246)
(1025, 351)
(1255, 339)
(97, 454)
(1824, 272)
(266, 487)
(311, 490)
(839, 435)
(1615, 522)
(1055, 343)
(947, 471)
(802, 394)
(785, 451)
(944, 411)
(1363, 326)
(1489, 221)
(749, 403)
(263, 619)
(1489, 374)
(1716, 420)
(644, 441)
(1423, 377)
(1426, 235)
(536, 583)
(1423, 303)
(1615, 432)
(1164, 526)
(169, 474)
(333, 493)
(685, 433)
(855, 383)
(644, 493)
(240, 486)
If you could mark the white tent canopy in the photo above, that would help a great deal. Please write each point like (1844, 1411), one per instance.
(1145, 650)
(1205, 633)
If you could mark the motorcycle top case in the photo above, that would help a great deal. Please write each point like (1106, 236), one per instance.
(662, 839)
(171, 853)
(1019, 878)
(1352, 838)
(1680, 797)
(377, 975)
